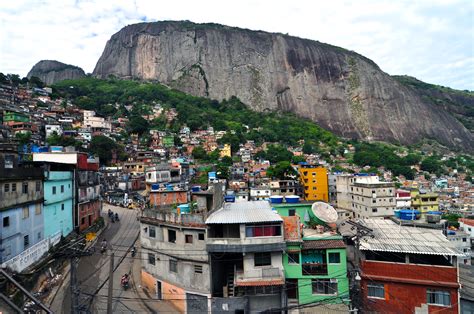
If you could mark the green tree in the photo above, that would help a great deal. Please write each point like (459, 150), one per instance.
(36, 82)
(138, 124)
(23, 138)
(281, 170)
(199, 153)
(431, 164)
(103, 147)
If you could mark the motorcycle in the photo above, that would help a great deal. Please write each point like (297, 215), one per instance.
(117, 217)
(134, 252)
(125, 282)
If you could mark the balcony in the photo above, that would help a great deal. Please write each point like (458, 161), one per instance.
(269, 276)
(314, 269)
(164, 216)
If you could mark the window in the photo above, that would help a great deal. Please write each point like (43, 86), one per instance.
(374, 210)
(376, 290)
(334, 258)
(38, 186)
(198, 269)
(62, 188)
(9, 161)
(262, 230)
(438, 297)
(188, 238)
(324, 286)
(263, 259)
(6, 187)
(173, 266)
(25, 188)
(26, 212)
(151, 258)
(293, 258)
(6, 221)
(39, 235)
(13, 187)
(54, 190)
(171, 236)
(374, 201)
(26, 241)
(83, 220)
(201, 236)
(152, 232)
(291, 212)
(62, 206)
(463, 239)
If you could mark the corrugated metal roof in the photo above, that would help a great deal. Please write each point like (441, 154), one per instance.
(323, 244)
(390, 237)
(244, 212)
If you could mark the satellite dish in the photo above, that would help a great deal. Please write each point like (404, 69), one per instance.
(324, 212)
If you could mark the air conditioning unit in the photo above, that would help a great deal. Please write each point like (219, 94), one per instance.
(333, 280)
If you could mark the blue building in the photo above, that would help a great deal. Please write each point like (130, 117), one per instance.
(21, 210)
(58, 201)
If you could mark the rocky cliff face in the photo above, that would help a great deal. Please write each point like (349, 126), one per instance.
(339, 89)
(51, 71)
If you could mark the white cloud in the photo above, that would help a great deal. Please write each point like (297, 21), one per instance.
(431, 40)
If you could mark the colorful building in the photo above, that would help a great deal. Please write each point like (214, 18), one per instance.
(314, 180)
(405, 269)
(226, 151)
(58, 201)
(11, 117)
(424, 201)
(21, 211)
(315, 260)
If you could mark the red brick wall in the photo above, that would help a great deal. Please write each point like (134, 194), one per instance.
(88, 209)
(168, 198)
(406, 286)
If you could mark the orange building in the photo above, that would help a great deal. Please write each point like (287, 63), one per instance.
(314, 180)
(166, 198)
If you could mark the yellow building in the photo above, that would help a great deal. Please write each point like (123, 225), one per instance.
(424, 201)
(226, 151)
(314, 180)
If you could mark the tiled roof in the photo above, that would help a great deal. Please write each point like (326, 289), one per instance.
(390, 237)
(467, 221)
(259, 283)
(244, 212)
(323, 244)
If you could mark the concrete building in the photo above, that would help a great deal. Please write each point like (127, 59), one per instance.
(88, 194)
(343, 191)
(260, 193)
(50, 129)
(403, 199)
(424, 201)
(315, 259)
(314, 180)
(332, 188)
(461, 241)
(405, 269)
(286, 187)
(166, 197)
(21, 210)
(246, 243)
(92, 122)
(371, 198)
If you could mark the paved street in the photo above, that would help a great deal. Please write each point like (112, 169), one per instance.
(93, 272)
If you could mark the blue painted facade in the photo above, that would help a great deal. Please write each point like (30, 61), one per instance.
(58, 202)
(25, 228)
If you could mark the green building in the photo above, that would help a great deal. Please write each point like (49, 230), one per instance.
(168, 141)
(315, 263)
(11, 116)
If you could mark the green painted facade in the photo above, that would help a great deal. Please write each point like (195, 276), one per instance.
(15, 117)
(332, 267)
(168, 141)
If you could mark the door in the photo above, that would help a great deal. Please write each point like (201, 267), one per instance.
(158, 290)
(292, 288)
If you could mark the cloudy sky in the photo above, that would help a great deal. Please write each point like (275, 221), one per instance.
(432, 40)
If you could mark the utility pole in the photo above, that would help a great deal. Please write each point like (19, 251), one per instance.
(111, 284)
(73, 285)
(361, 231)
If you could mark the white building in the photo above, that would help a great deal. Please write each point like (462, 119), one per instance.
(51, 128)
(91, 121)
